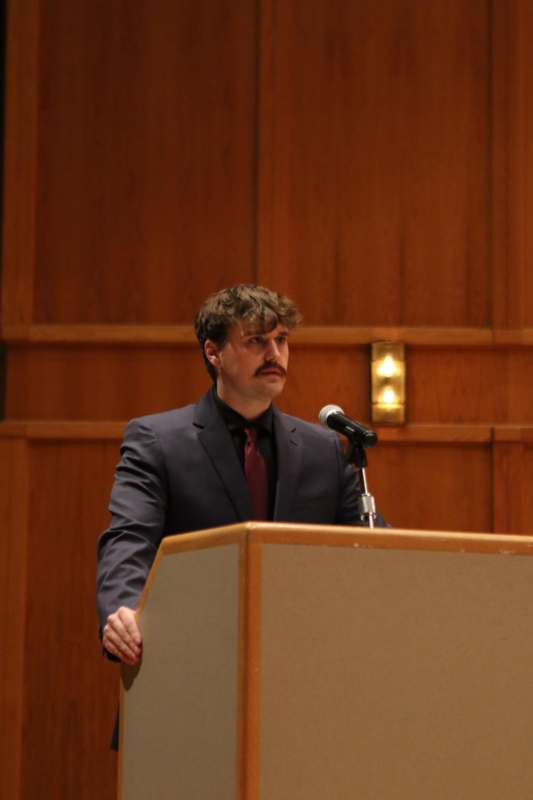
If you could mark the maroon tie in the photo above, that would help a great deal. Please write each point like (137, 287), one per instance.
(256, 474)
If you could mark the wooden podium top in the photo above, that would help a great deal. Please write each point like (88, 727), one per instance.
(343, 536)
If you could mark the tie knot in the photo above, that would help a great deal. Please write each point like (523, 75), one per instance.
(256, 475)
(251, 435)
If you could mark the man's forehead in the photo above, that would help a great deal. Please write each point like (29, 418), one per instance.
(254, 329)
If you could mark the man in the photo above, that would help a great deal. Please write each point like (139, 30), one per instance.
(228, 458)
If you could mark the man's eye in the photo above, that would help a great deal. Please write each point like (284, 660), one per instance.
(255, 340)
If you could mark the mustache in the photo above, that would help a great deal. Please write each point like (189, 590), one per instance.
(271, 365)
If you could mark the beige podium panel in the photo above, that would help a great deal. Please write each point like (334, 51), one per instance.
(287, 662)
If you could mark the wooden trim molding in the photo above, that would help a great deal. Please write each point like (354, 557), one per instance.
(513, 433)
(436, 434)
(99, 334)
(75, 430)
(311, 335)
(410, 434)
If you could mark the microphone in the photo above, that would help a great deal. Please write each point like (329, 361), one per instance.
(332, 416)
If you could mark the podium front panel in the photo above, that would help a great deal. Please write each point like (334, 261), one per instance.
(180, 726)
(394, 674)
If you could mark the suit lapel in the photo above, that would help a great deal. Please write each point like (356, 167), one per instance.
(217, 443)
(289, 454)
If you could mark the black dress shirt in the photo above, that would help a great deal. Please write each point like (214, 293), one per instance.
(266, 443)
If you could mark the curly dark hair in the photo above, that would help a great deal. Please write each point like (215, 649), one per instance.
(245, 302)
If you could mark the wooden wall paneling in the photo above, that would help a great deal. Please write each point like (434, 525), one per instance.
(13, 550)
(100, 334)
(526, 480)
(526, 212)
(507, 480)
(101, 383)
(518, 381)
(375, 160)
(339, 335)
(470, 385)
(446, 385)
(304, 335)
(433, 486)
(2, 377)
(512, 164)
(62, 382)
(322, 375)
(489, 385)
(71, 690)
(146, 174)
(20, 161)
(512, 478)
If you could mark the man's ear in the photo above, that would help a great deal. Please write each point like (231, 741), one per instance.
(211, 353)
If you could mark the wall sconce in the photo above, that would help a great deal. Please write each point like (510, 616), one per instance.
(388, 383)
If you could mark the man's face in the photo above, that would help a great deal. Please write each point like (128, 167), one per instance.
(251, 365)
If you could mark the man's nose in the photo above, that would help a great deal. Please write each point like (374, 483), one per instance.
(272, 350)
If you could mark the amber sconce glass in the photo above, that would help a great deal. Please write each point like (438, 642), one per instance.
(387, 383)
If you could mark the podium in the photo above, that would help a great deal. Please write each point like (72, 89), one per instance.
(290, 662)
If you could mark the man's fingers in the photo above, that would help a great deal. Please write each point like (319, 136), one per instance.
(123, 622)
(129, 620)
(113, 642)
(122, 636)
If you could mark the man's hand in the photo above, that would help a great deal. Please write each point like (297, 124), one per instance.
(122, 637)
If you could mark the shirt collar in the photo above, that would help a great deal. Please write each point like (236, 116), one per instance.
(236, 421)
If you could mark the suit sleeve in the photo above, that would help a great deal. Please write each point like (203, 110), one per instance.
(138, 507)
(350, 488)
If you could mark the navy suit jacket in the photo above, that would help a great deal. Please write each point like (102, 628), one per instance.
(179, 472)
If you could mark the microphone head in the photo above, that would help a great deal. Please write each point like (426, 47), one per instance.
(326, 411)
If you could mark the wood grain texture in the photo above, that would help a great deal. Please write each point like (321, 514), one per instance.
(445, 385)
(433, 487)
(120, 383)
(104, 431)
(71, 691)
(20, 162)
(61, 430)
(13, 554)
(470, 386)
(101, 384)
(457, 387)
(512, 164)
(145, 186)
(375, 160)
(513, 472)
(525, 32)
(305, 335)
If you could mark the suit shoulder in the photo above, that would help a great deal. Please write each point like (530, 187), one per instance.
(164, 421)
(308, 430)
